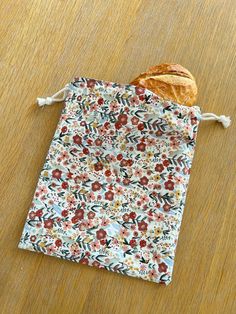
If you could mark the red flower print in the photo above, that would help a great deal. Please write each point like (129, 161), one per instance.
(124, 163)
(159, 133)
(144, 180)
(140, 126)
(98, 166)
(64, 185)
(79, 213)
(166, 207)
(84, 261)
(86, 151)
(64, 129)
(166, 163)
(126, 217)
(141, 147)
(142, 226)
(98, 142)
(75, 219)
(58, 242)
(83, 177)
(77, 139)
(132, 215)
(126, 181)
(142, 243)
(169, 185)
(101, 234)
(64, 213)
(130, 162)
(118, 125)
(96, 186)
(103, 242)
(152, 274)
(100, 101)
(135, 120)
(109, 196)
(123, 118)
(141, 97)
(56, 174)
(119, 157)
(48, 223)
(91, 83)
(159, 217)
(132, 243)
(162, 267)
(193, 120)
(96, 264)
(91, 215)
(39, 213)
(108, 173)
(33, 238)
(156, 257)
(159, 167)
(139, 90)
(89, 141)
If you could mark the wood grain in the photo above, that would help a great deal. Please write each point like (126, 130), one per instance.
(44, 44)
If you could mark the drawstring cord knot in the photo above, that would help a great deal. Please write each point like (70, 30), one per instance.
(50, 100)
(44, 101)
(226, 121)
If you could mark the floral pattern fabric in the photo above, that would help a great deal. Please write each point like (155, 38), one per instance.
(111, 193)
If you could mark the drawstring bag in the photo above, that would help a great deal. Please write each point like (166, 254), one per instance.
(112, 190)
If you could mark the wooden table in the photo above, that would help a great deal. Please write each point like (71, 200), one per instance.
(44, 44)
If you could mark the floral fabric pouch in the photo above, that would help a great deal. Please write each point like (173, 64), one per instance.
(112, 190)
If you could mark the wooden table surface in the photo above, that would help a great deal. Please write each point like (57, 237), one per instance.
(44, 44)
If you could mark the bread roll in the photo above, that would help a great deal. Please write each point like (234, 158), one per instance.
(170, 81)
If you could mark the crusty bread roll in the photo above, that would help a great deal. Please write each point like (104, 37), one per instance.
(170, 81)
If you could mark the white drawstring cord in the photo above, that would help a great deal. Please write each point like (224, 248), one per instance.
(50, 100)
(222, 119)
(205, 116)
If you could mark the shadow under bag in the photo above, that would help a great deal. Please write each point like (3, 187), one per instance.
(112, 190)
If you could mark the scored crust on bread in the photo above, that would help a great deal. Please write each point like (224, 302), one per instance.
(170, 81)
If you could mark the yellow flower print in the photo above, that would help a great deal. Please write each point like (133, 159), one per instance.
(171, 123)
(95, 124)
(178, 194)
(185, 133)
(157, 231)
(167, 116)
(66, 139)
(120, 238)
(41, 244)
(87, 240)
(123, 147)
(133, 268)
(117, 204)
(45, 174)
(129, 262)
(157, 177)
(82, 191)
(74, 236)
(150, 155)
(52, 233)
(115, 209)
